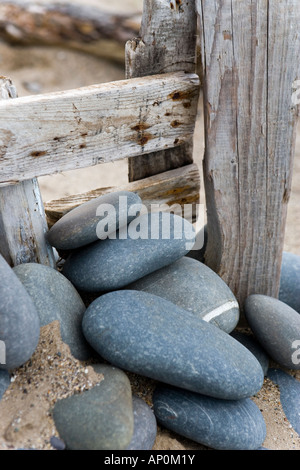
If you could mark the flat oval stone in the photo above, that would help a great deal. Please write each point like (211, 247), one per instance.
(195, 287)
(250, 342)
(218, 424)
(145, 427)
(94, 220)
(289, 395)
(100, 418)
(289, 291)
(148, 335)
(55, 298)
(150, 242)
(19, 320)
(4, 382)
(276, 326)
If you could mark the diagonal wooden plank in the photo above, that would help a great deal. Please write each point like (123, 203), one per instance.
(55, 132)
(170, 189)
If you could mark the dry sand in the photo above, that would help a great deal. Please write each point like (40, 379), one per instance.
(52, 372)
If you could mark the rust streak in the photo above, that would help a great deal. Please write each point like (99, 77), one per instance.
(144, 138)
(142, 126)
(176, 123)
(179, 95)
(38, 153)
(227, 35)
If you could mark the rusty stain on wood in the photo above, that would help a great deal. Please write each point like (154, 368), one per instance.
(142, 126)
(38, 153)
(178, 5)
(180, 95)
(176, 123)
(144, 138)
(227, 35)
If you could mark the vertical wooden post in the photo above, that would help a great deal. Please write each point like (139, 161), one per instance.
(250, 61)
(22, 218)
(167, 43)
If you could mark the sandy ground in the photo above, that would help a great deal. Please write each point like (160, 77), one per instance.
(25, 409)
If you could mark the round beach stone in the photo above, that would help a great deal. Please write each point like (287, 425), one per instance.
(289, 395)
(100, 418)
(150, 242)
(19, 319)
(218, 424)
(55, 298)
(193, 286)
(95, 219)
(149, 335)
(289, 291)
(4, 382)
(145, 427)
(276, 326)
(250, 342)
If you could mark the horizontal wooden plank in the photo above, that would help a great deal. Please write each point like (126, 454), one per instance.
(172, 188)
(55, 132)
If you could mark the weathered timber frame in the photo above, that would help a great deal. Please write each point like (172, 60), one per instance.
(250, 52)
(151, 113)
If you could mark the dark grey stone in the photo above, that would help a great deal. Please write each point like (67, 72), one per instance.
(100, 418)
(19, 320)
(57, 443)
(276, 326)
(249, 341)
(82, 225)
(112, 264)
(145, 427)
(289, 395)
(218, 424)
(148, 335)
(55, 298)
(4, 382)
(201, 239)
(193, 286)
(289, 291)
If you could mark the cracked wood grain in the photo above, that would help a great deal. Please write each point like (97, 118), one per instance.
(55, 132)
(250, 60)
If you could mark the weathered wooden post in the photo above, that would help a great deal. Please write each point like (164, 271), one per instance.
(22, 217)
(250, 61)
(167, 43)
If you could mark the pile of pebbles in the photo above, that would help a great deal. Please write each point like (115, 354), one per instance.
(156, 311)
